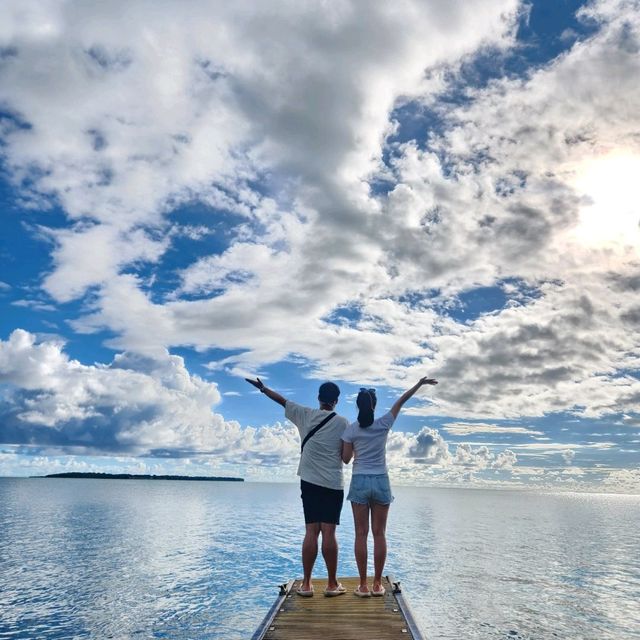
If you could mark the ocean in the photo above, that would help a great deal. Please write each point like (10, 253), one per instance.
(83, 558)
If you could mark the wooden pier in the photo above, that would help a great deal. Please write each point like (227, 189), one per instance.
(344, 617)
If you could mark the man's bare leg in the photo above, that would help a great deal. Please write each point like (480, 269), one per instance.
(309, 553)
(330, 553)
(379, 513)
(361, 525)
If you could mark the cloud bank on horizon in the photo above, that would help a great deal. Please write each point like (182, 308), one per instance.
(194, 192)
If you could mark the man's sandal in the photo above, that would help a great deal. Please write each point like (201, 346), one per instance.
(338, 591)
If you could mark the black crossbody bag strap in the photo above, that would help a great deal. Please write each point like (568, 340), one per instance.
(313, 431)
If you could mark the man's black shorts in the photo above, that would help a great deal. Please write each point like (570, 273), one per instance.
(321, 504)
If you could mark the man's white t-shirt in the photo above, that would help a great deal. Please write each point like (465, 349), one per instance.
(321, 460)
(369, 445)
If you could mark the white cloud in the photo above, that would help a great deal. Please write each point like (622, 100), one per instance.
(428, 447)
(623, 481)
(143, 406)
(505, 460)
(465, 428)
(558, 350)
(86, 256)
(427, 451)
(37, 305)
(170, 107)
(137, 405)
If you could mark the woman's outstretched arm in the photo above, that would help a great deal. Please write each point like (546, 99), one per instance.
(262, 388)
(407, 394)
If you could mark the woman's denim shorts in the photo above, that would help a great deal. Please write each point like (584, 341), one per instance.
(370, 488)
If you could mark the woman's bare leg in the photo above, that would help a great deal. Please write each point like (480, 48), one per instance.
(361, 525)
(379, 513)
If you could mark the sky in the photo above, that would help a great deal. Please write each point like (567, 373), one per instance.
(366, 192)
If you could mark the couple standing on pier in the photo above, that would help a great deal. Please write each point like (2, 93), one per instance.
(328, 440)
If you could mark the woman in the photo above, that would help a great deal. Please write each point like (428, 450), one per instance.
(365, 440)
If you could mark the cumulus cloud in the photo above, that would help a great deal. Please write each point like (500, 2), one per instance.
(282, 116)
(623, 480)
(429, 447)
(429, 451)
(558, 353)
(481, 458)
(510, 205)
(147, 406)
(504, 460)
(171, 107)
(506, 207)
(137, 405)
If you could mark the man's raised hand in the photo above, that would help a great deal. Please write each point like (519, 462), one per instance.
(257, 383)
(270, 393)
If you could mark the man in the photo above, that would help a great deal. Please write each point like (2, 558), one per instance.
(321, 484)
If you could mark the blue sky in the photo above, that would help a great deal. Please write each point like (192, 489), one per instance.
(363, 192)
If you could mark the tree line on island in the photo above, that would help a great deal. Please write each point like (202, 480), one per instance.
(130, 476)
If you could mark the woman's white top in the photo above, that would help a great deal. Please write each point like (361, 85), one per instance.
(369, 444)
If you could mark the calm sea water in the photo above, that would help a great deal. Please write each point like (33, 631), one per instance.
(160, 559)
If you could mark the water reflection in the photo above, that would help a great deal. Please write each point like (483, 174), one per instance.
(123, 559)
(523, 565)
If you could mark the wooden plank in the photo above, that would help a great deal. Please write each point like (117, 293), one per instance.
(343, 617)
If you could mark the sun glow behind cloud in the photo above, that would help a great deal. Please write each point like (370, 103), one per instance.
(611, 185)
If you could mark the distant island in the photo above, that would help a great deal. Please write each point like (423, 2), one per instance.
(129, 476)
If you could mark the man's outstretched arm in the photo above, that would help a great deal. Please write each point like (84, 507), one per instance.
(262, 388)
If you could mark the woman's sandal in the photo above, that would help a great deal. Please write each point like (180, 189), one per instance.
(362, 594)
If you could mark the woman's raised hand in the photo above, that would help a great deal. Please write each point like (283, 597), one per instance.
(395, 409)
